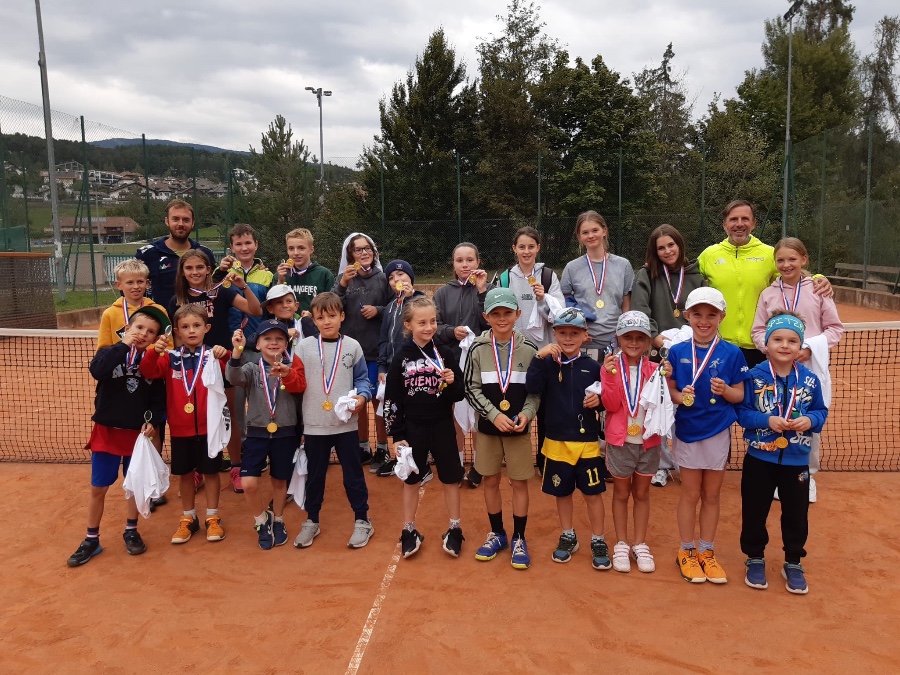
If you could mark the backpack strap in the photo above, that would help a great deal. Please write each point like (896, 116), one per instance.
(504, 278)
(546, 278)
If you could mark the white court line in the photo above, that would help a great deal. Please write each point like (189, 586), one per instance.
(369, 626)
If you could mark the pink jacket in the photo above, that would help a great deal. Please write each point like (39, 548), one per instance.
(819, 314)
(614, 401)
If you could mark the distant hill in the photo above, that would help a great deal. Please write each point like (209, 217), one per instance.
(116, 142)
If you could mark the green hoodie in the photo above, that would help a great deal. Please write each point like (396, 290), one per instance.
(740, 273)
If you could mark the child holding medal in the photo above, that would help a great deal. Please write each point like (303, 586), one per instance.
(132, 280)
(632, 460)
(423, 383)
(334, 364)
(271, 423)
(795, 292)
(782, 408)
(706, 381)
(186, 398)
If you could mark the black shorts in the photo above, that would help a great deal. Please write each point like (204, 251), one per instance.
(438, 438)
(189, 454)
(561, 479)
(280, 452)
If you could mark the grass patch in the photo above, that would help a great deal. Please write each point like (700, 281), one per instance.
(85, 299)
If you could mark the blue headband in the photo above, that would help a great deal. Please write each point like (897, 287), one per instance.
(787, 321)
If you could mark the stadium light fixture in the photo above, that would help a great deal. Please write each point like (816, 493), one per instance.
(318, 93)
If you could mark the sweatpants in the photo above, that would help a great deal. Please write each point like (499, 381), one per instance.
(758, 482)
(318, 452)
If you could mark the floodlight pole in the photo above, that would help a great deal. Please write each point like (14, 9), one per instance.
(318, 93)
(789, 17)
(51, 161)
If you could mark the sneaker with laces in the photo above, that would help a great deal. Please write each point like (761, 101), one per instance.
(410, 542)
(279, 533)
(264, 532)
(427, 476)
(568, 544)
(365, 456)
(453, 539)
(600, 555)
(756, 573)
(157, 502)
(214, 529)
(87, 549)
(381, 456)
(362, 532)
(660, 478)
(711, 567)
(492, 546)
(643, 558)
(308, 531)
(187, 525)
(133, 542)
(472, 478)
(689, 566)
(386, 469)
(236, 480)
(812, 490)
(795, 578)
(621, 559)
(520, 558)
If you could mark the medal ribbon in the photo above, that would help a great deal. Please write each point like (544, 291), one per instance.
(565, 362)
(297, 271)
(695, 370)
(464, 282)
(271, 396)
(793, 306)
(503, 381)
(131, 358)
(125, 310)
(328, 380)
(597, 286)
(783, 411)
(189, 388)
(676, 296)
(437, 362)
(634, 404)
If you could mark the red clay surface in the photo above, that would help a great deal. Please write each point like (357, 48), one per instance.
(227, 606)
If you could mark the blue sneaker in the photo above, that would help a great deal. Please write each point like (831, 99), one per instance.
(492, 546)
(756, 573)
(795, 578)
(600, 555)
(520, 558)
(264, 531)
(565, 548)
(279, 533)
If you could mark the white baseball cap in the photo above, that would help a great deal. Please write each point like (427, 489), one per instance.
(706, 295)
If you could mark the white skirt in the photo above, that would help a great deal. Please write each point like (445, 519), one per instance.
(710, 453)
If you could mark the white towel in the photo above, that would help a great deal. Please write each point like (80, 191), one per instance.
(659, 413)
(462, 411)
(148, 475)
(218, 421)
(297, 487)
(406, 465)
(537, 323)
(818, 345)
(346, 406)
(379, 396)
(595, 388)
(675, 335)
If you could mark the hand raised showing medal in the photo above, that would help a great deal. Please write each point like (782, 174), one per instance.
(238, 341)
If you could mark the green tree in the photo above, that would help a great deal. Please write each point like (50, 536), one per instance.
(880, 78)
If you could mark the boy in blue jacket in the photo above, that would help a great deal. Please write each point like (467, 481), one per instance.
(782, 408)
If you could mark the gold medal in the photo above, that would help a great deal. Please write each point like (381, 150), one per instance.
(688, 400)
(532, 279)
(188, 408)
(560, 375)
(442, 386)
(600, 304)
(581, 430)
(713, 401)
(357, 266)
(236, 266)
(281, 387)
(289, 262)
(677, 312)
(327, 405)
(399, 286)
(634, 429)
(271, 427)
(471, 278)
(504, 405)
(239, 348)
(781, 442)
(226, 283)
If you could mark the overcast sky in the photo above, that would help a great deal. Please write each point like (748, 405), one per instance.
(218, 72)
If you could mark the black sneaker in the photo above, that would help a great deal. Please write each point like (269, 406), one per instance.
(473, 478)
(386, 469)
(365, 457)
(381, 456)
(453, 539)
(133, 542)
(159, 501)
(264, 533)
(287, 500)
(87, 550)
(427, 476)
(410, 542)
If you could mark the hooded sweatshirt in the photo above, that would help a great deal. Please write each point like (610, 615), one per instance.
(259, 281)
(654, 298)
(371, 289)
(316, 279)
(112, 323)
(391, 338)
(459, 305)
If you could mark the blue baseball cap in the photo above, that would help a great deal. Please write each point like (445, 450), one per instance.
(570, 317)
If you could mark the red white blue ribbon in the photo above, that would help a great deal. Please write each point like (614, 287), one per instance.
(125, 310)
(676, 296)
(271, 396)
(201, 360)
(695, 369)
(131, 358)
(502, 381)
(564, 362)
(437, 362)
(597, 286)
(785, 411)
(328, 379)
(792, 307)
(634, 402)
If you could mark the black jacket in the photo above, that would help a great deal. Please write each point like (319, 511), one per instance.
(122, 394)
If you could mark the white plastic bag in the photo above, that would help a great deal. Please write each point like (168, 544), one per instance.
(148, 475)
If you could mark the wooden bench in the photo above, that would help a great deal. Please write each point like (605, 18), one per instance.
(888, 278)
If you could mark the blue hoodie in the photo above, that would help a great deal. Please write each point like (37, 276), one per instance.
(163, 265)
(759, 405)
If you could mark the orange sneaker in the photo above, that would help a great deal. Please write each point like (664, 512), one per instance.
(187, 525)
(711, 567)
(214, 531)
(689, 566)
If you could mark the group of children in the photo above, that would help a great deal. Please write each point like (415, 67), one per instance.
(309, 370)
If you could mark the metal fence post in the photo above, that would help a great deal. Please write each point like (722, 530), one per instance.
(197, 220)
(703, 194)
(458, 201)
(539, 190)
(383, 230)
(619, 242)
(146, 185)
(86, 190)
(4, 197)
(822, 204)
(868, 220)
(25, 199)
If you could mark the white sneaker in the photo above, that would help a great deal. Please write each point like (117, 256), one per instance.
(641, 553)
(661, 478)
(362, 532)
(775, 496)
(621, 557)
(812, 490)
(308, 531)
